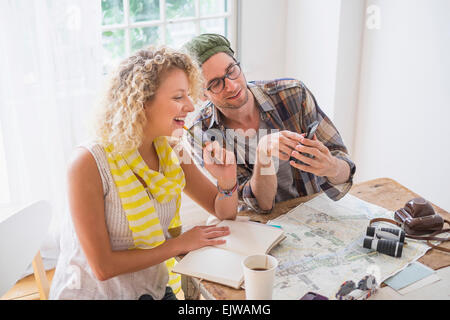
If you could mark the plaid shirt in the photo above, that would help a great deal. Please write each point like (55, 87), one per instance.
(285, 104)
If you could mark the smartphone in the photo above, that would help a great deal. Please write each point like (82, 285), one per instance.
(310, 131)
(313, 296)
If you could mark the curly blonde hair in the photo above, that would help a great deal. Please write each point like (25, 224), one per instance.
(120, 118)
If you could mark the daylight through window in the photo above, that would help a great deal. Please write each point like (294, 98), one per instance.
(129, 25)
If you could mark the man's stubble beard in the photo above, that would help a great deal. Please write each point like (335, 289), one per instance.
(229, 106)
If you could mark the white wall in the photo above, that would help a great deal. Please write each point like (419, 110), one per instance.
(404, 104)
(348, 62)
(323, 49)
(312, 45)
(263, 37)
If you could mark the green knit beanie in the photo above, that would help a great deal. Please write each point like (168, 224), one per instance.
(204, 46)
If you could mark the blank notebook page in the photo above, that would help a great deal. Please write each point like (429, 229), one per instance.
(249, 237)
(213, 264)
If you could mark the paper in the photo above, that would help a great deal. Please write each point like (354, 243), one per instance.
(249, 238)
(213, 264)
(323, 247)
(412, 273)
(420, 284)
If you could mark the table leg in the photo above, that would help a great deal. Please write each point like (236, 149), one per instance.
(190, 289)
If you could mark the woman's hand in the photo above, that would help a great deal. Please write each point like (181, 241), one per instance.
(201, 236)
(221, 164)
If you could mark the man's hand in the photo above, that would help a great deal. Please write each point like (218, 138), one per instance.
(324, 164)
(264, 178)
(280, 145)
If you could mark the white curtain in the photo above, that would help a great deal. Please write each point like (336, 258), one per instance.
(50, 72)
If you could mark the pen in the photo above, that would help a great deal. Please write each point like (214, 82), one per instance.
(271, 225)
(193, 137)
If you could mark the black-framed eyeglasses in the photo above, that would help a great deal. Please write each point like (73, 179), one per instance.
(233, 72)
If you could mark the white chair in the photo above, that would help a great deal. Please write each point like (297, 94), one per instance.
(21, 235)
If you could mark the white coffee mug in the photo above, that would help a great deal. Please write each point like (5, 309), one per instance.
(259, 274)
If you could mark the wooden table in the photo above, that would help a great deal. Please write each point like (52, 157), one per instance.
(383, 192)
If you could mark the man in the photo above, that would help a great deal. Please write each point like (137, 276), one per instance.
(285, 108)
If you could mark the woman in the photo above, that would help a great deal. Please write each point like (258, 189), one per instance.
(124, 189)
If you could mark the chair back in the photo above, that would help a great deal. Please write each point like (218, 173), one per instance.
(21, 235)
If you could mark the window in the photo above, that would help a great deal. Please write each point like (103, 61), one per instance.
(128, 25)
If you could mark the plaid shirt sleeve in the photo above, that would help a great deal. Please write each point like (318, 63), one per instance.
(247, 199)
(330, 137)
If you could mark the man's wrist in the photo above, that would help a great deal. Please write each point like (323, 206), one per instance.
(335, 169)
(343, 172)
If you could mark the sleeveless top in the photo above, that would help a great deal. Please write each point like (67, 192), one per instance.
(74, 279)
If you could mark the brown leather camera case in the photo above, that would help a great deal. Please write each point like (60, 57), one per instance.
(418, 217)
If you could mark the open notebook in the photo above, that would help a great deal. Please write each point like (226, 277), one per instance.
(223, 263)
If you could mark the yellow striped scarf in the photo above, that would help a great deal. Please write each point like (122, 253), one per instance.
(138, 206)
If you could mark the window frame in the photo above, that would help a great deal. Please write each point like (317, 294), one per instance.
(231, 15)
